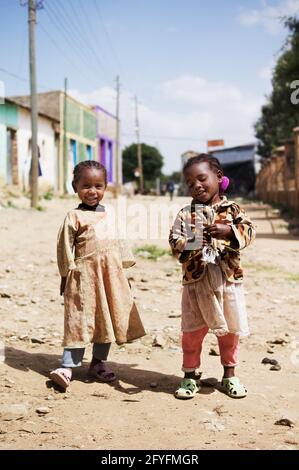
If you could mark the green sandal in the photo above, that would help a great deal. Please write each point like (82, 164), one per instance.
(187, 389)
(233, 387)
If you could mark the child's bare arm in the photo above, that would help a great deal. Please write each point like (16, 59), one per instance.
(62, 285)
(65, 244)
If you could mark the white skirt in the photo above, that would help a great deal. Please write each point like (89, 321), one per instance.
(215, 303)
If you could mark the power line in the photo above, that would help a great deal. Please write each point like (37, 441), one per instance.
(90, 27)
(23, 46)
(62, 51)
(116, 56)
(163, 137)
(60, 26)
(107, 34)
(18, 77)
(88, 38)
(73, 29)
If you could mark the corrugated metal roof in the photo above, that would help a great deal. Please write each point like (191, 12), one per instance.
(241, 154)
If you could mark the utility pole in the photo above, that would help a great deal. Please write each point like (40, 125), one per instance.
(117, 149)
(65, 152)
(33, 99)
(139, 153)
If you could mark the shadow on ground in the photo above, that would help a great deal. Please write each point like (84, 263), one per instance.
(130, 375)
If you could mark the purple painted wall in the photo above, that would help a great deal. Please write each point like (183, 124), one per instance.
(106, 145)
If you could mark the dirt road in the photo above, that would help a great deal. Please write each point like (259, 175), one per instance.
(139, 410)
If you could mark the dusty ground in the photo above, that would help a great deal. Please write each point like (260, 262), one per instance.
(139, 411)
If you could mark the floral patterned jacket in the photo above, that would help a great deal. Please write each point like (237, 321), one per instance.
(188, 250)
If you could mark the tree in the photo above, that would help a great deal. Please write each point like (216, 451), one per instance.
(279, 116)
(152, 162)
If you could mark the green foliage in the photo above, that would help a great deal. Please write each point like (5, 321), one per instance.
(293, 277)
(11, 205)
(48, 195)
(152, 251)
(279, 115)
(152, 162)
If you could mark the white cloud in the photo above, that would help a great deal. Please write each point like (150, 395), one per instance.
(188, 111)
(249, 17)
(269, 16)
(197, 90)
(266, 73)
(104, 97)
(217, 98)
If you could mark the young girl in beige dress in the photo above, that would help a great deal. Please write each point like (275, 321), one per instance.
(98, 305)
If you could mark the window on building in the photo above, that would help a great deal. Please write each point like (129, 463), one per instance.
(103, 151)
(73, 151)
(89, 152)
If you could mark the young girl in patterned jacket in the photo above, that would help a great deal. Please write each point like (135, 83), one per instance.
(207, 237)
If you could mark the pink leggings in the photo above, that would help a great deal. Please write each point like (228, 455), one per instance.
(192, 344)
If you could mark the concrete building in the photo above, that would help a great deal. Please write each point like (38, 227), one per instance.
(74, 127)
(8, 143)
(68, 132)
(15, 146)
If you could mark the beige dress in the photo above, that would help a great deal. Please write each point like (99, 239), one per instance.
(216, 303)
(98, 304)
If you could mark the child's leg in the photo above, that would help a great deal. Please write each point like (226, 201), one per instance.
(192, 346)
(229, 348)
(100, 351)
(71, 358)
(98, 368)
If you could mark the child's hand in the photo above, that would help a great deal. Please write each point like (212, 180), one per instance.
(220, 231)
(62, 285)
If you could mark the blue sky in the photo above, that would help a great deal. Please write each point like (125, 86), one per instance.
(201, 69)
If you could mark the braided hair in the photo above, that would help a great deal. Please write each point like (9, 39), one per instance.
(204, 157)
(214, 166)
(87, 164)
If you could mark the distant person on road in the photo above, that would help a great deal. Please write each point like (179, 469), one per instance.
(98, 304)
(207, 238)
(170, 188)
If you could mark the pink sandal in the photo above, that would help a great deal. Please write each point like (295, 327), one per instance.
(102, 372)
(61, 377)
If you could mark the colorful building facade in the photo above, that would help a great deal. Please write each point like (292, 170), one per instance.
(68, 132)
(108, 146)
(15, 146)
